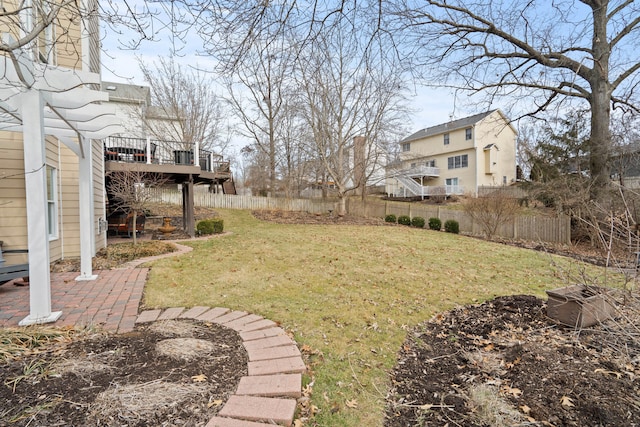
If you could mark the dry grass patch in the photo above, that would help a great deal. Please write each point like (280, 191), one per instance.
(134, 403)
(173, 327)
(20, 342)
(185, 349)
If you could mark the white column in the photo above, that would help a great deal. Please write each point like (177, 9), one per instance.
(148, 150)
(196, 153)
(37, 218)
(85, 189)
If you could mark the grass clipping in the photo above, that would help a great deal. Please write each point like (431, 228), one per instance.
(136, 402)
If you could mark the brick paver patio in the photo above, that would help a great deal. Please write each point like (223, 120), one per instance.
(264, 397)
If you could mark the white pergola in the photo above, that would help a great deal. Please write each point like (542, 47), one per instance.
(37, 100)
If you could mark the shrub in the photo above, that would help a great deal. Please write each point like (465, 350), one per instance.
(404, 220)
(492, 210)
(417, 221)
(210, 226)
(451, 226)
(435, 224)
(390, 218)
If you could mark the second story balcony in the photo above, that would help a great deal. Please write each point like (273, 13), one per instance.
(165, 156)
(422, 171)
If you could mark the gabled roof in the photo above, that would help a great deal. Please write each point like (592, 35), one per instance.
(448, 127)
(123, 92)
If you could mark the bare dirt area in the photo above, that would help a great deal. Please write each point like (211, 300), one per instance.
(505, 363)
(164, 373)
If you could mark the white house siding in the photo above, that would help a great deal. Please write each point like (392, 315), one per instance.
(99, 212)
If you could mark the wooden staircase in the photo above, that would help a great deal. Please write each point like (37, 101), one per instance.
(229, 187)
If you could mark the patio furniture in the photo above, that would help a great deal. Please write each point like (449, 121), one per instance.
(121, 223)
(12, 271)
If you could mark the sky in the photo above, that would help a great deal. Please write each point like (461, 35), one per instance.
(429, 107)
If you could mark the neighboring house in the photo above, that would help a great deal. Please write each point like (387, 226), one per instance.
(139, 148)
(625, 165)
(51, 167)
(455, 157)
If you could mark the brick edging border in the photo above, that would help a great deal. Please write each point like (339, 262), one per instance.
(268, 394)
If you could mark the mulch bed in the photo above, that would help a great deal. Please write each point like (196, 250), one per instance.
(164, 373)
(505, 363)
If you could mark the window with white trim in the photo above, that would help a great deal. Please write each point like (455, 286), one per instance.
(457, 162)
(451, 182)
(406, 146)
(52, 202)
(446, 139)
(468, 134)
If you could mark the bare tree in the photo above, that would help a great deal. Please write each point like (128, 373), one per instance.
(127, 190)
(187, 95)
(257, 91)
(348, 91)
(545, 53)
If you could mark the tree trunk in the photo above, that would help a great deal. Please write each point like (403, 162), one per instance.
(134, 225)
(600, 102)
(342, 204)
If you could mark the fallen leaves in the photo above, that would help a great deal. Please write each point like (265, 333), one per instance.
(201, 378)
(567, 402)
(215, 403)
(515, 392)
(618, 375)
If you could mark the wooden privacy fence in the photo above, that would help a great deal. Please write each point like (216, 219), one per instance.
(232, 201)
(525, 227)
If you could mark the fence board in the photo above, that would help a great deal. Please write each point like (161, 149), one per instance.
(529, 227)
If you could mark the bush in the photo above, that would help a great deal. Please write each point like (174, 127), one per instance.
(417, 221)
(451, 226)
(210, 226)
(390, 218)
(404, 220)
(435, 224)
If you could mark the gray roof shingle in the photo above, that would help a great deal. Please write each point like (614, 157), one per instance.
(447, 127)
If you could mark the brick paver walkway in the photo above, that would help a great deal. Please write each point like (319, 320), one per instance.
(266, 396)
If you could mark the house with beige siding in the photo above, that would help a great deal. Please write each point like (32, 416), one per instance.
(51, 151)
(456, 157)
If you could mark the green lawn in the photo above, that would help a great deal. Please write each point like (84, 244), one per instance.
(348, 293)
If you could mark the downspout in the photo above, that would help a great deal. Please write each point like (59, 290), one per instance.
(475, 160)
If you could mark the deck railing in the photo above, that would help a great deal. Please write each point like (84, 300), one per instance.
(151, 151)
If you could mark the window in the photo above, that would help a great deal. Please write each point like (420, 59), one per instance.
(52, 202)
(457, 162)
(467, 134)
(406, 146)
(430, 163)
(451, 182)
(42, 46)
(504, 180)
(413, 165)
(446, 139)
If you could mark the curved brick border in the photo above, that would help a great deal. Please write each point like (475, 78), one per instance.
(268, 394)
